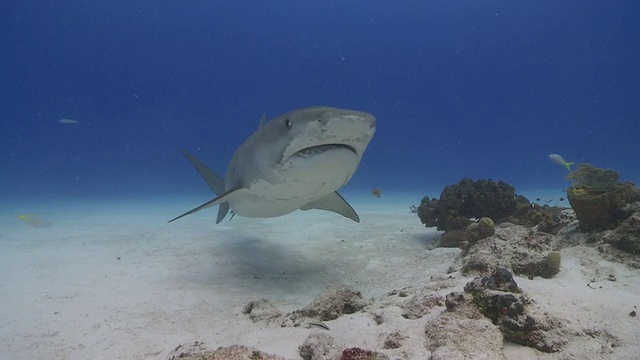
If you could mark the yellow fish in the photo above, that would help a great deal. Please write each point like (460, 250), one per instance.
(34, 221)
(560, 161)
(68, 121)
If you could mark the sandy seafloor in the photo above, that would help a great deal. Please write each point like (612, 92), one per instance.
(110, 279)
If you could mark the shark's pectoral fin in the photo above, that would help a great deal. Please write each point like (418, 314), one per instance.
(215, 182)
(333, 202)
(222, 200)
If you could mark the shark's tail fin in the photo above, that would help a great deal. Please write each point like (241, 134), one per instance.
(215, 182)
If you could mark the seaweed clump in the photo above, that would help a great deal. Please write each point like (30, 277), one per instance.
(469, 199)
(598, 198)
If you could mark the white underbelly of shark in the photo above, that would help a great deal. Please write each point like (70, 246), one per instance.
(298, 182)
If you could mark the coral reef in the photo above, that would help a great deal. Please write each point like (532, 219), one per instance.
(261, 310)
(421, 304)
(545, 218)
(521, 249)
(525, 240)
(361, 354)
(598, 198)
(593, 179)
(323, 347)
(625, 237)
(489, 201)
(480, 230)
(472, 324)
(198, 351)
(498, 298)
(601, 211)
(453, 335)
(333, 303)
(453, 239)
(551, 265)
(393, 340)
(608, 209)
(319, 346)
(468, 199)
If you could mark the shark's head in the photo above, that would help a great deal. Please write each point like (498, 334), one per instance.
(319, 144)
(312, 131)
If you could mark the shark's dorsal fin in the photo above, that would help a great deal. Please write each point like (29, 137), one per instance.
(215, 182)
(263, 120)
(218, 200)
(333, 202)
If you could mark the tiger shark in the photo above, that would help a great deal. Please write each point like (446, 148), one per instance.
(299, 160)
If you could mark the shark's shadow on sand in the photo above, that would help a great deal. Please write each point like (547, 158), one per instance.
(428, 239)
(263, 266)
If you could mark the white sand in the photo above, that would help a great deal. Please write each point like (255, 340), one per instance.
(112, 280)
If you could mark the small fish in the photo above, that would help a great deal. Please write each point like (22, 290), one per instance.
(68, 121)
(560, 161)
(319, 324)
(34, 221)
(376, 192)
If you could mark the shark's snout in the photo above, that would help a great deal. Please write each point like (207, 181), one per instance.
(322, 131)
(361, 124)
(366, 118)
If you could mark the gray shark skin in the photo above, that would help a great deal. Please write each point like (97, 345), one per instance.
(296, 161)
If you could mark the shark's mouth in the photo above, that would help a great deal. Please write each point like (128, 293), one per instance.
(318, 149)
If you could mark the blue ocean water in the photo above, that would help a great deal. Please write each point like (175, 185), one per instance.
(459, 89)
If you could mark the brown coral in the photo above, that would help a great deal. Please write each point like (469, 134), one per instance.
(468, 199)
(361, 354)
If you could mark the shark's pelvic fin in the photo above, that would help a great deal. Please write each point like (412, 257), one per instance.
(333, 202)
(218, 200)
(222, 212)
(215, 182)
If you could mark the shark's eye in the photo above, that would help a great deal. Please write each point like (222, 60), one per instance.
(287, 123)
